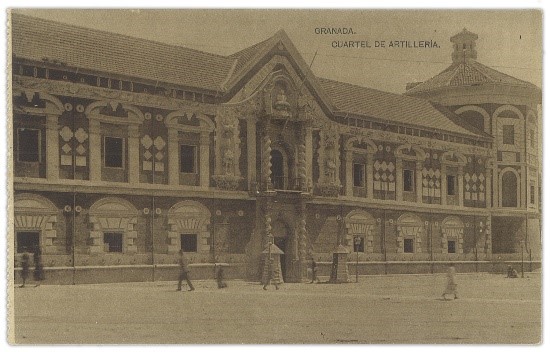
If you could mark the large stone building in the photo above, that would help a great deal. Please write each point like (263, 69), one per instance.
(126, 151)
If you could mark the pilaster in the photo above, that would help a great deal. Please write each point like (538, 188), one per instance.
(52, 148)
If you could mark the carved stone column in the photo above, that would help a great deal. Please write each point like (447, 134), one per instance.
(173, 157)
(133, 154)
(460, 186)
(95, 151)
(399, 179)
(302, 167)
(349, 173)
(52, 148)
(251, 151)
(443, 184)
(488, 186)
(204, 160)
(309, 155)
(370, 177)
(418, 181)
(266, 163)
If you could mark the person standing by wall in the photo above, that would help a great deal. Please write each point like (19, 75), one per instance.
(38, 267)
(313, 271)
(184, 273)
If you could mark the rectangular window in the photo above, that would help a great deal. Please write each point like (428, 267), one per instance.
(451, 246)
(532, 194)
(359, 244)
(28, 145)
(188, 159)
(27, 241)
(451, 179)
(113, 151)
(532, 138)
(408, 245)
(188, 242)
(408, 180)
(112, 241)
(508, 134)
(359, 175)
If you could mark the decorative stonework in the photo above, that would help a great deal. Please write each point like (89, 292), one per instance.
(188, 217)
(90, 92)
(329, 161)
(362, 224)
(409, 226)
(452, 228)
(36, 213)
(228, 142)
(227, 182)
(113, 215)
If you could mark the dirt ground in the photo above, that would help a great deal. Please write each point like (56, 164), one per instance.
(402, 309)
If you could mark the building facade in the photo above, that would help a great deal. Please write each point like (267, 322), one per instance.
(126, 151)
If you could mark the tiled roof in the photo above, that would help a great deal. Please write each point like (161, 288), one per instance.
(99, 51)
(466, 74)
(35, 38)
(392, 107)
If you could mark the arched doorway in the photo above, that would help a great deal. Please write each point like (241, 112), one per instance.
(509, 190)
(277, 169)
(281, 240)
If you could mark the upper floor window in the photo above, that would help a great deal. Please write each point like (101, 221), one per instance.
(451, 183)
(532, 138)
(113, 152)
(358, 175)
(408, 180)
(508, 134)
(188, 159)
(532, 194)
(28, 145)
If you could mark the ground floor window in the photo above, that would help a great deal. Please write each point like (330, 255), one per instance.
(408, 245)
(27, 241)
(451, 246)
(112, 241)
(189, 242)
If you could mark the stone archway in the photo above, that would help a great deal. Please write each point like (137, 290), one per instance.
(113, 215)
(409, 228)
(360, 223)
(190, 218)
(452, 229)
(37, 214)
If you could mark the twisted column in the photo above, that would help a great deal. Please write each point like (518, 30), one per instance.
(302, 169)
(266, 162)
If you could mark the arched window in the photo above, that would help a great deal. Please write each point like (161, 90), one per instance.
(509, 189)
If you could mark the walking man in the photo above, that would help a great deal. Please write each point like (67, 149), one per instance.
(450, 289)
(184, 273)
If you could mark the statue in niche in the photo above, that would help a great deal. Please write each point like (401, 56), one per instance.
(281, 103)
(227, 161)
(330, 170)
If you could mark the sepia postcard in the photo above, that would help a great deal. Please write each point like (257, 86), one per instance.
(274, 176)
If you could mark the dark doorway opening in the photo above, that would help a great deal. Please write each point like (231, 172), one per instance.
(277, 169)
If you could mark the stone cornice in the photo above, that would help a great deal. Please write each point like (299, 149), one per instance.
(71, 89)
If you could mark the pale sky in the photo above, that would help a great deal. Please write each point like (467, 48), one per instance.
(509, 41)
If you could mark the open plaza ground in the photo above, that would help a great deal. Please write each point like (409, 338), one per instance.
(402, 309)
